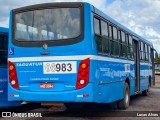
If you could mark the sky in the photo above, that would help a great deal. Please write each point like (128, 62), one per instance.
(141, 16)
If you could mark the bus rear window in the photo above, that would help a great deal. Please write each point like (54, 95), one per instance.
(47, 24)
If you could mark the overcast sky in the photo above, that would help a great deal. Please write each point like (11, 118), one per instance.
(141, 16)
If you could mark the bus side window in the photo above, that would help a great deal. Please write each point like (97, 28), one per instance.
(5, 43)
(110, 32)
(116, 41)
(127, 39)
(123, 45)
(119, 35)
(97, 26)
(104, 29)
(111, 40)
(130, 47)
(3, 50)
(146, 52)
(141, 51)
(149, 52)
(105, 40)
(97, 34)
(127, 44)
(119, 40)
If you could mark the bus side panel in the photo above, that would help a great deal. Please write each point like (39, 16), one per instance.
(111, 79)
(3, 86)
(110, 92)
(4, 99)
(4, 90)
(132, 85)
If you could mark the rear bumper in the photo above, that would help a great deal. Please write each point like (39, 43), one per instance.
(66, 96)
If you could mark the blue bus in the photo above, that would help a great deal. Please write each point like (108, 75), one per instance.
(3, 69)
(73, 53)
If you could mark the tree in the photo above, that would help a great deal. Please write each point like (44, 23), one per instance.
(157, 59)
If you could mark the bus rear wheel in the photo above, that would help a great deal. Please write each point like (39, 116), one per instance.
(124, 103)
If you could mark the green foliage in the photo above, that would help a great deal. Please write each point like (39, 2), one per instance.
(157, 59)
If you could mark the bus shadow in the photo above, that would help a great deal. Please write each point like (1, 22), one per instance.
(94, 110)
(135, 98)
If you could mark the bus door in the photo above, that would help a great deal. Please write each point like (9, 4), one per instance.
(137, 65)
(154, 55)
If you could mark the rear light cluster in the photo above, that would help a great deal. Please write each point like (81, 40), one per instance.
(83, 74)
(13, 76)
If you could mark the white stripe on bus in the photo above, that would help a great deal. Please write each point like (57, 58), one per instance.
(79, 57)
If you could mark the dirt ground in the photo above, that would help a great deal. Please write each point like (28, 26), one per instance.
(147, 103)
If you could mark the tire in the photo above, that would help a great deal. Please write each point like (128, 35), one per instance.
(146, 92)
(124, 103)
(74, 106)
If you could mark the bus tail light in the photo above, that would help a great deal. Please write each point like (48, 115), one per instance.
(83, 74)
(13, 76)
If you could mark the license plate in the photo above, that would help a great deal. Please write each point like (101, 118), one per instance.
(46, 85)
(65, 67)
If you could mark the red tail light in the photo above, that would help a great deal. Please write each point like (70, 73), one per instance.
(83, 74)
(13, 76)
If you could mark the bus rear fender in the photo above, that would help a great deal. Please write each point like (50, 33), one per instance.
(127, 81)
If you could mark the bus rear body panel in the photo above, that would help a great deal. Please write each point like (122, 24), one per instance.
(50, 74)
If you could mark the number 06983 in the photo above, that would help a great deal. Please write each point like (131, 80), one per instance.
(65, 67)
